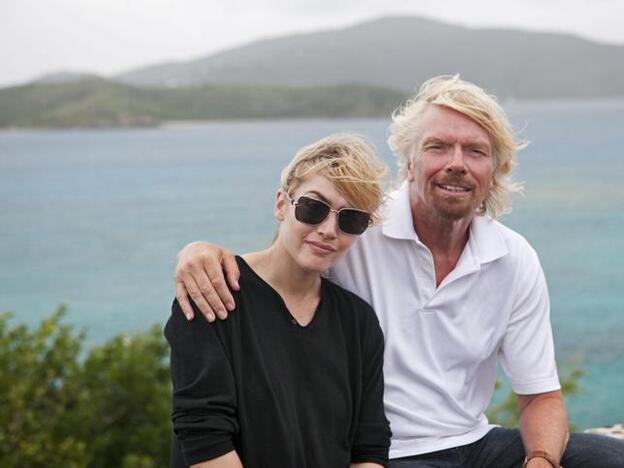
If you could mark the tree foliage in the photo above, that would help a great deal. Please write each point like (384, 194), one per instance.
(507, 413)
(61, 408)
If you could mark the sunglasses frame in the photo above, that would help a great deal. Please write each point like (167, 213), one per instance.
(296, 202)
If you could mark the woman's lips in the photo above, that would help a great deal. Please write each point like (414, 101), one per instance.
(320, 247)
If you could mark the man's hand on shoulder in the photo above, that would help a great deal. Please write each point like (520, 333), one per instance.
(201, 274)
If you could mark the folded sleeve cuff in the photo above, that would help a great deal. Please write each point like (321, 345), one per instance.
(200, 450)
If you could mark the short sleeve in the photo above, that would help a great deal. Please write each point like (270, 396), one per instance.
(527, 352)
(372, 437)
(204, 394)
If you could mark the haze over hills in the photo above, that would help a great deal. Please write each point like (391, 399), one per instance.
(64, 77)
(401, 52)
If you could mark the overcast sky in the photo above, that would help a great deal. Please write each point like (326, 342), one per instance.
(110, 36)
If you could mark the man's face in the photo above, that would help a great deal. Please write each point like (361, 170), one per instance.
(454, 170)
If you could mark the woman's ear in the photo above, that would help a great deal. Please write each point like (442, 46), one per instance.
(280, 205)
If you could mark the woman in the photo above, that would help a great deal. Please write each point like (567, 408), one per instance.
(294, 377)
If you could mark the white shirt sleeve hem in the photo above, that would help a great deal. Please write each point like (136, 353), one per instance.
(542, 386)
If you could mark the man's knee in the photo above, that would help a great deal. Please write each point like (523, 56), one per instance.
(593, 451)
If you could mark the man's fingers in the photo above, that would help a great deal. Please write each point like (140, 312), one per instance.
(200, 271)
(182, 297)
(231, 269)
(223, 296)
(208, 292)
(195, 292)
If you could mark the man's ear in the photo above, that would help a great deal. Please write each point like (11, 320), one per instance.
(411, 176)
(280, 205)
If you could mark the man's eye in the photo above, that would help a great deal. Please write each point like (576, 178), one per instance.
(478, 152)
(434, 147)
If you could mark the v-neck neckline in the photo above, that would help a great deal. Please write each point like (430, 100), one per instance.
(286, 311)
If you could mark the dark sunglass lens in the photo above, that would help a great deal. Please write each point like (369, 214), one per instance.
(353, 221)
(311, 211)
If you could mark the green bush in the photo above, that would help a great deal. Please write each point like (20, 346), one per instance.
(506, 413)
(109, 408)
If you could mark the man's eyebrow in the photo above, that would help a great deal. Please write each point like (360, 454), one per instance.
(477, 144)
(433, 139)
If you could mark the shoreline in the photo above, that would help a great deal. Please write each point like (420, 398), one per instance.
(512, 105)
(181, 124)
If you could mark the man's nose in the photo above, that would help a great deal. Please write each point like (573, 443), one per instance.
(456, 162)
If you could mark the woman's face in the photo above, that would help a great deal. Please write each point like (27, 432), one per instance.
(313, 247)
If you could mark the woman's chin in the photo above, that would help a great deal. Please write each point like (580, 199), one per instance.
(317, 263)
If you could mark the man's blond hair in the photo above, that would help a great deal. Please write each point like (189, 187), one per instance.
(472, 101)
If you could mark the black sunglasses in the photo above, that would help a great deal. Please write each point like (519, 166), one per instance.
(312, 211)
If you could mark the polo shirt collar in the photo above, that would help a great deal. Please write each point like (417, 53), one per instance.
(486, 240)
(397, 215)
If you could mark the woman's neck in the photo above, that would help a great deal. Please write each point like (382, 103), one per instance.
(279, 269)
(299, 288)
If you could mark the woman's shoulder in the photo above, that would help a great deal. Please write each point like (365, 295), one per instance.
(178, 328)
(248, 277)
(348, 300)
(358, 318)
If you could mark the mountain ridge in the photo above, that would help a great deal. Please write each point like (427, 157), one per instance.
(401, 52)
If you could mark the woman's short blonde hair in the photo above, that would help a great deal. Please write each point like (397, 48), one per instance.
(472, 101)
(349, 162)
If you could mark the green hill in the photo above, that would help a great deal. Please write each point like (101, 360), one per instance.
(103, 103)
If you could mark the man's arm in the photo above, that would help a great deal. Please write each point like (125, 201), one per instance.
(543, 426)
(528, 357)
(200, 273)
(366, 465)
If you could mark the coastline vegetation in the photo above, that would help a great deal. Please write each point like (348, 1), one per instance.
(96, 102)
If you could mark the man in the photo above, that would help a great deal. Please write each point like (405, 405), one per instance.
(455, 292)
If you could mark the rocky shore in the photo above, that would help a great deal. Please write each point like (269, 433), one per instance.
(617, 430)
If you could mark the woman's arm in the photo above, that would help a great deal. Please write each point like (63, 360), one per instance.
(366, 465)
(372, 439)
(204, 393)
(229, 460)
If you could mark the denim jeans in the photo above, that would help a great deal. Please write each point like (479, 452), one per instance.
(502, 448)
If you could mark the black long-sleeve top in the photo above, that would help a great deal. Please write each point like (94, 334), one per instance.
(280, 394)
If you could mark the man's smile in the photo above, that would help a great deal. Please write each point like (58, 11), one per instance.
(454, 188)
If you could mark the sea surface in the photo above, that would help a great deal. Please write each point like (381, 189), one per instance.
(94, 219)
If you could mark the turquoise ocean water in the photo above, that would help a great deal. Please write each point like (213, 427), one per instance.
(94, 219)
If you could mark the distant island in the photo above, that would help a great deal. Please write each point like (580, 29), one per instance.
(104, 103)
(364, 70)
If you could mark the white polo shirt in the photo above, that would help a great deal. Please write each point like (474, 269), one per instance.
(442, 344)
